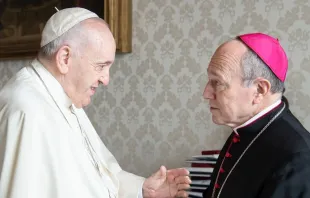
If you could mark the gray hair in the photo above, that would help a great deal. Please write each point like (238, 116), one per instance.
(253, 67)
(68, 38)
(76, 37)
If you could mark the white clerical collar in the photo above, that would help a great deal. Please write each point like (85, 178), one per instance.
(52, 85)
(263, 112)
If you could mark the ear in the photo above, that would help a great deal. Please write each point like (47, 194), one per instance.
(262, 87)
(63, 58)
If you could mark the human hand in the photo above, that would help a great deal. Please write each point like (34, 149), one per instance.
(167, 184)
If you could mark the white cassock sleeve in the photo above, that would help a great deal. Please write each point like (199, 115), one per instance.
(140, 195)
(130, 185)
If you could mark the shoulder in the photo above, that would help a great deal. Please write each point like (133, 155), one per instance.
(290, 134)
(23, 93)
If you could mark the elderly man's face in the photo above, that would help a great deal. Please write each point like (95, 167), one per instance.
(230, 102)
(91, 68)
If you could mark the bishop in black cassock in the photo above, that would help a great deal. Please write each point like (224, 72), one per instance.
(276, 165)
(269, 155)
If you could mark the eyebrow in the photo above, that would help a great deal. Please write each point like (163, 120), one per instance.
(215, 74)
(104, 63)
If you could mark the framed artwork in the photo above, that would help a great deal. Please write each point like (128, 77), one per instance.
(22, 21)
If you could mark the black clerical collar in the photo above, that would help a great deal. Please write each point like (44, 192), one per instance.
(259, 121)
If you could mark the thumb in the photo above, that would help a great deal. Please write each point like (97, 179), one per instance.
(161, 173)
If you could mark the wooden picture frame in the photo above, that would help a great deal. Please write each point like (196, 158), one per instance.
(117, 13)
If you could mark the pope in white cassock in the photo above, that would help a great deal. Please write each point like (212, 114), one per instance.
(48, 146)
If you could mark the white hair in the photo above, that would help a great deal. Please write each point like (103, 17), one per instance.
(68, 38)
(77, 37)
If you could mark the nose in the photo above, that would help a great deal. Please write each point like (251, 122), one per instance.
(104, 80)
(105, 76)
(208, 93)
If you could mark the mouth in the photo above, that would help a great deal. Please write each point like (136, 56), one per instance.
(213, 108)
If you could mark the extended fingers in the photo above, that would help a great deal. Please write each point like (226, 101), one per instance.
(178, 171)
(183, 187)
(181, 194)
(183, 180)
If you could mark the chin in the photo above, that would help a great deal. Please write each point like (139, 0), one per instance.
(217, 121)
(86, 103)
(81, 104)
(78, 106)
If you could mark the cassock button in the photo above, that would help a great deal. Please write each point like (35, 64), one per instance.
(236, 139)
(228, 155)
(217, 185)
(222, 170)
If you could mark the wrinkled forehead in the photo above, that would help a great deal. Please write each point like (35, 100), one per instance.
(224, 63)
(227, 59)
(102, 46)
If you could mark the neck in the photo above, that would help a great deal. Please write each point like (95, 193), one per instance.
(263, 106)
(49, 65)
(269, 100)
